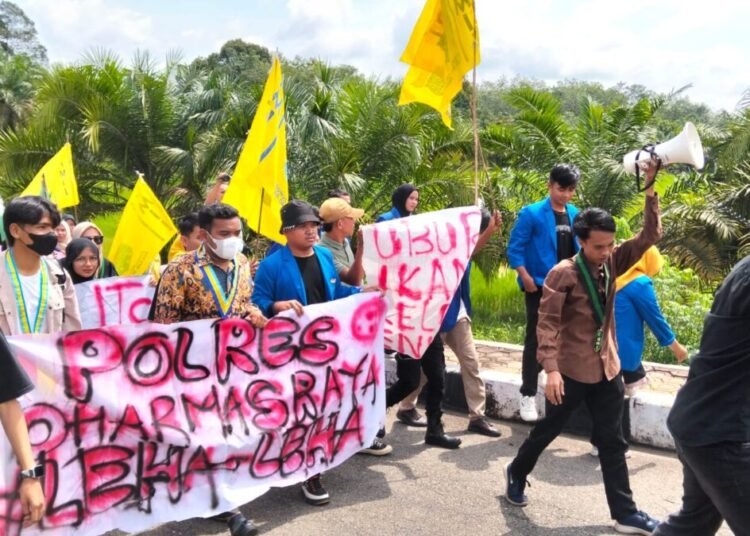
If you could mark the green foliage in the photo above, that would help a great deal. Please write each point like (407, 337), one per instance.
(498, 308)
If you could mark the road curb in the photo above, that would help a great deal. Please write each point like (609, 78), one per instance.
(645, 419)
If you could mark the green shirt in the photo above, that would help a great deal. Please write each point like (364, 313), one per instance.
(343, 257)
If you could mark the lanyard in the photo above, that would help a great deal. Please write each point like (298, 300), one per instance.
(23, 311)
(224, 300)
(591, 289)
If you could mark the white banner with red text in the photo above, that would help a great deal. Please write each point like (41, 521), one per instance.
(143, 424)
(420, 261)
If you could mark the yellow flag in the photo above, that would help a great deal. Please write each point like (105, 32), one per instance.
(441, 50)
(56, 180)
(258, 188)
(144, 228)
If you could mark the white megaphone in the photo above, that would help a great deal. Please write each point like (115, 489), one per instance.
(685, 148)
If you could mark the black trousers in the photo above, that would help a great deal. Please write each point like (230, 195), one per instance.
(605, 401)
(530, 368)
(408, 376)
(716, 487)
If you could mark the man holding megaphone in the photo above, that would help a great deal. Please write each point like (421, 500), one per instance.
(578, 351)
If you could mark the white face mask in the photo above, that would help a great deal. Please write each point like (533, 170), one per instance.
(226, 248)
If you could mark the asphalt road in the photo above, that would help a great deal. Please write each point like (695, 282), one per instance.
(420, 490)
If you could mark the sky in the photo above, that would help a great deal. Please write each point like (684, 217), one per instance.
(661, 44)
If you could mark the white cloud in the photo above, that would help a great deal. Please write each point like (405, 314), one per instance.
(662, 45)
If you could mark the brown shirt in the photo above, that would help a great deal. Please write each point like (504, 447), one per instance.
(567, 328)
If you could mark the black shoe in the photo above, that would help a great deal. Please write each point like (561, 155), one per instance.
(514, 489)
(411, 417)
(435, 435)
(314, 492)
(483, 427)
(239, 525)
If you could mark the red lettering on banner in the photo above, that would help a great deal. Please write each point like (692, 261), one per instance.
(103, 469)
(314, 350)
(366, 320)
(305, 407)
(234, 337)
(394, 242)
(86, 352)
(134, 427)
(273, 413)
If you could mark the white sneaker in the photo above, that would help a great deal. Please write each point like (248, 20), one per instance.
(528, 409)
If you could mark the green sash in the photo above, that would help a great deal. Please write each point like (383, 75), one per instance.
(597, 304)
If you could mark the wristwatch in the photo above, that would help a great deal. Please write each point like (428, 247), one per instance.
(36, 472)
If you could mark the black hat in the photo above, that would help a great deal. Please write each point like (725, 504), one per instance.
(296, 213)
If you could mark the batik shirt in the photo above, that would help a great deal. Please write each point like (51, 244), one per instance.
(185, 293)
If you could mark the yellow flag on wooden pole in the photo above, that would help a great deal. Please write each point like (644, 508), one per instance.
(144, 228)
(443, 47)
(258, 188)
(56, 180)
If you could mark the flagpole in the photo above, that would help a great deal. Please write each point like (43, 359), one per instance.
(474, 111)
(260, 209)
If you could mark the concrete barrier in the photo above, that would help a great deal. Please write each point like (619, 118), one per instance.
(645, 419)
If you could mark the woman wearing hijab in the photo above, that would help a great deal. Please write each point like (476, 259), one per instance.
(710, 419)
(62, 232)
(82, 260)
(432, 364)
(405, 200)
(636, 305)
(89, 230)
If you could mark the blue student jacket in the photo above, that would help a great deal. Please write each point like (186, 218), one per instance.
(462, 292)
(533, 239)
(635, 304)
(392, 214)
(279, 279)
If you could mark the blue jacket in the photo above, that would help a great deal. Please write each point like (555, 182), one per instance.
(463, 292)
(635, 304)
(392, 214)
(533, 240)
(279, 279)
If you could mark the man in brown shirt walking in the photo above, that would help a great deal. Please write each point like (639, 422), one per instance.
(578, 350)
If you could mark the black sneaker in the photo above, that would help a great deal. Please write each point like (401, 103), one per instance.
(239, 525)
(411, 417)
(637, 523)
(314, 492)
(378, 448)
(514, 489)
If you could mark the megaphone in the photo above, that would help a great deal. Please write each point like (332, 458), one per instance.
(685, 148)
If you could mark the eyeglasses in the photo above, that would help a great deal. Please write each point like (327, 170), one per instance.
(86, 260)
(96, 239)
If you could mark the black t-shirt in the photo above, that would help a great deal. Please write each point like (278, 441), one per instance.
(565, 248)
(13, 380)
(714, 405)
(313, 279)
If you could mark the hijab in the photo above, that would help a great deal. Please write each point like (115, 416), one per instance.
(399, 197)
(649, 264)
(73, 251)
(84, 226)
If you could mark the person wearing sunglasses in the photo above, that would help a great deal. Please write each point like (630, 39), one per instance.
(87, 229)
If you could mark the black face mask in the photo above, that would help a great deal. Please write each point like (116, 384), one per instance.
(43, 244)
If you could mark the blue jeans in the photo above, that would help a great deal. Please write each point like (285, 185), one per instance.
(716, 487)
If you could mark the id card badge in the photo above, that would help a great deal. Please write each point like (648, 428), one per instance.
(598, 340)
